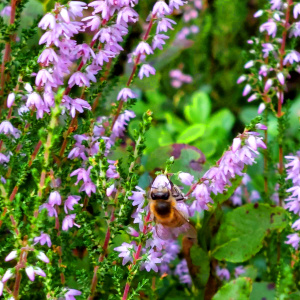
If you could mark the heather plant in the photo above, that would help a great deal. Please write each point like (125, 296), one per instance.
(87, 129)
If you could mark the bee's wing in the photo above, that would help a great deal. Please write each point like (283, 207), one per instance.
(176, 193)
(164, 233)
(186, 228)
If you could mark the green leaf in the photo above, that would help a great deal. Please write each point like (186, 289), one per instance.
(239, 288)
(224, 118)
(191, 134)
(242, 232)
(201, 260)
(263, 290)
(199, 110)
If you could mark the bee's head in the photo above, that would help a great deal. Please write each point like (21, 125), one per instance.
(161, 187)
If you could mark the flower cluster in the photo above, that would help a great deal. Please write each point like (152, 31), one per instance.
(293, 201)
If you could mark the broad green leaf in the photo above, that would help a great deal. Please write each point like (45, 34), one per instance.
(191, 134)
(239, 288)
(224, 118)
(242, 231)
(263, 290)
(199, 110)
(201, 260)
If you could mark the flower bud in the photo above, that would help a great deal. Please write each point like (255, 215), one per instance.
(186, 178)
(12, 255)
(261, 108)
(280, 78)
(30, 273)
(10, 99)
(42, 256)
(7, 275)
(236, 144)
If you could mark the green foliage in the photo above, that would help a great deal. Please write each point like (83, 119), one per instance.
(239, 288)
(240, 237)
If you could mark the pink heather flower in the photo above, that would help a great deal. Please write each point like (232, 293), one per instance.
(70, 202)
(110, 190)
(158, 41)
(30, 273)
(223, 273)
(267, 47)
(152, 260)
(280, 78)
(127, 14)
(293, 239)
(258, 13)
(238, 271)
(293, 168)
(126, 93)
(126, 251)
(252, 98)
(103, 56)
(249, 64)
(261, 108)
(76, 8)
(12, 255)
(7, 275)
(111, 172)
(186, 178)
(82, 174)
(93, 22)
(241, 79)
(88, 187)
(293, 56)
(263, 70)
(296, 225)
(146, 70)
(161, 7)
(7, 128)
(247, 90)
(42, 256)
(10, 100)
(268, 84)
(132, 232)
(176, 4)
(138, 197)
(43, 239)
(1, 288)
(54, 198)
(3, 158)
(48, 20)
(276, 4)
(84, 52)
(142, 48)
(164, 25)
(69, 222)
(261, 126)
(71, 293)
(176, 84)
(182, 271)
(51, 210)
(39, 271)
(79, 79)
(270, 27)
(237, 197)
(5, 12)
(296, 10)
(236, 144)
(202, 195)
(44, 77)
(65, 15)
(161, 181)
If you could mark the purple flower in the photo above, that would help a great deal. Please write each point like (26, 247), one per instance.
(267, 47)
(48, 21)
(176, 3)
(127, 14)
(223, 273)
(182, 272)
(202, 195)
(10, 100)
(138, 197)
(5, 12)
(252, 98)
(293, 56)
(39, 271)
(241, 79)
(7, 275)
(258, 13)
(280, 78)
(161, 181)
(1, 288)
(160, 7)
(146, 70)
(69, 295)
(82, 174)
(3, 158)
(70, 202)
(7, 128)
(261, 108)
(247, 90)
(276, 4)
(249, 64)
(43, 77)
(42, 256)
(79, 79)
(268, 84)
(93, 22)
(126, 93)
(30, 273)
(142, 48)
(164, 25)
(126, 250)
(51, 210)
(186, 178)
(296, 225)
(111, 172)
(238, 271)
(152, 260)
(54, 198)
(270, 27)
(12, 255)
(68, 222)
(43, 239)
(296, 10)
(88, 187)
(293, 239)
(158, 41)
(237, 197)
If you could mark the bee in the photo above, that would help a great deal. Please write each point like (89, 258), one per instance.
(170, 219)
